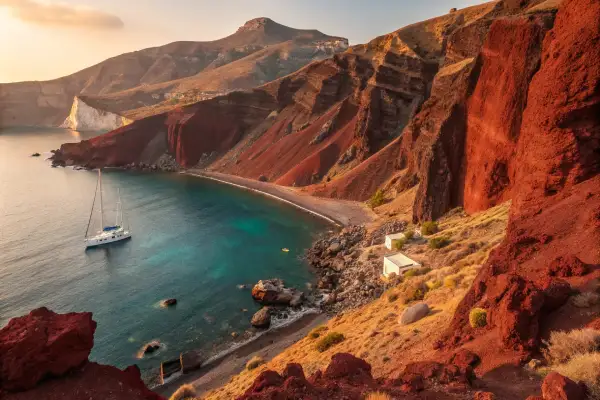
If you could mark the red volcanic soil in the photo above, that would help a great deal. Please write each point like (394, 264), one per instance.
(44, 355)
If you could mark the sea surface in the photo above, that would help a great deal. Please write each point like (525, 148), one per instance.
(193, 239)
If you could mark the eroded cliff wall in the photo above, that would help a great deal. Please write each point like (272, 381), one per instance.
(84, 117)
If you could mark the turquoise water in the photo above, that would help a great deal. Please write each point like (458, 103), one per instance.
(193, 239)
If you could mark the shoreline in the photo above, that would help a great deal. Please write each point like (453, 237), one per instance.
(219, 371)
(338, 212)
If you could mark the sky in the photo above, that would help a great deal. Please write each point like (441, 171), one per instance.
(47, 39)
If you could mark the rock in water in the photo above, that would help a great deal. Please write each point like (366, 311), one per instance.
(262, 318)
(168, 302)
(43, 344)
(273, 292)
(414, 313)
(35, 155)
(151, 347)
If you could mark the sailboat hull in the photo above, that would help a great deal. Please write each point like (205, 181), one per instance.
(107, 237)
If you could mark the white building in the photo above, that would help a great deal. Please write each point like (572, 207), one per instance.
(391, 239)
(398, 263)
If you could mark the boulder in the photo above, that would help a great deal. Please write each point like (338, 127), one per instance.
(191, 361)
(151, 347)
(334, 248)
(558, 387)
(414, 313)
(567, 266)
(346, 367)
(168, 302)
(43, 344)
(297, 299)
(273, 292)
(262, 318)
(263, 178)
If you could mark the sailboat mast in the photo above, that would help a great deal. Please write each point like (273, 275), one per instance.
(118, 207)
(101, 205)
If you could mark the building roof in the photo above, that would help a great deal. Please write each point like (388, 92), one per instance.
(395, 236)
(401, 261)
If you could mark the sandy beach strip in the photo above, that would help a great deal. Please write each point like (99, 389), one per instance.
(339, 212)
(267, 346)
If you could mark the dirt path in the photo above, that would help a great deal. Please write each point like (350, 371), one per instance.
(340, 212)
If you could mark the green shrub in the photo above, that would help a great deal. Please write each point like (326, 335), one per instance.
(329, 340)
(415, 293)
(478, 318)
(254, 362)
(439, 242)
(392, 297)
(432, 285)
(377, 199)
(398, 244)
(450, 282)
(429, 228)
(417, 272)
(409, 234)
(315, 333)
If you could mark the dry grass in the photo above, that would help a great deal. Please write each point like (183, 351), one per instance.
(586, 299)
(254, 363)
(378, 396)
(563, 346)
(372, 332)
(185, 392)
(583, 368)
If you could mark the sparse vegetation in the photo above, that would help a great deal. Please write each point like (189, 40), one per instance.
(254, 362)
(434, 284)
(185, 392)
(586, 299)
(415, 293)
(315, 333)
(439, 242)
(392, 297)
(398, 244)
(331, 339)
(377, 199)
(429, 228)
(478, 318)
(563, 346)
(450, 282)
(378, 396)
(584, 368)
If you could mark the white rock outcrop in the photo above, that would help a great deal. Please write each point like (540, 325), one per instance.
(84, 117)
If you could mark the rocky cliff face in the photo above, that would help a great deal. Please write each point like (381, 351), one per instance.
(84, 117)
(44, 355)
(259, 52)
(551, 246)
(309, 127)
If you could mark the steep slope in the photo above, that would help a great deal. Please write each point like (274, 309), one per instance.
(48, 103)
(553, 238)
(322, 120)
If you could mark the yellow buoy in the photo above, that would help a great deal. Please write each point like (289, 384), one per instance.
(285, 250)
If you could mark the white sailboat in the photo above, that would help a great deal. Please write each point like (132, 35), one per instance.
(107, 233)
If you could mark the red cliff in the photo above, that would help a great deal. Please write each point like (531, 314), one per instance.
(552, 241)
(44, 355)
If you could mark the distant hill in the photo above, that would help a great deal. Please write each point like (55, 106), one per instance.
(260, 51)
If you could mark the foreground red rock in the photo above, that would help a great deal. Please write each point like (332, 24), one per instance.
(44, 355)
(43, 344)
(349, 378)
